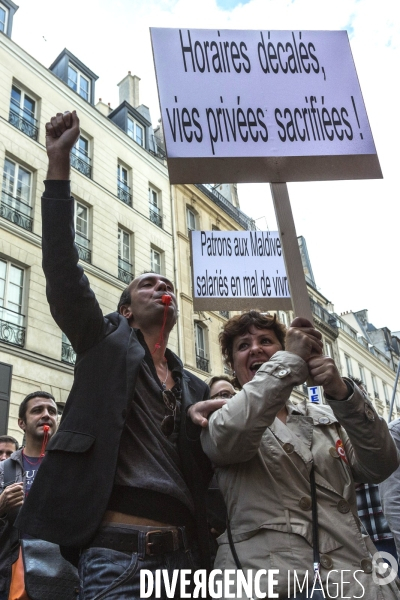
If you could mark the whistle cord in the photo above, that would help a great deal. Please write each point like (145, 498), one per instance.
(166, 300)
(45, 440)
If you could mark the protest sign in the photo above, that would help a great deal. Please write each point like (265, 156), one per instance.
(238, 270)
(249, 106)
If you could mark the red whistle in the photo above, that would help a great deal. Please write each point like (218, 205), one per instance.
(46, 428)
(166, 299)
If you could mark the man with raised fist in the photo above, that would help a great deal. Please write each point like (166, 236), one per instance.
(123, 483)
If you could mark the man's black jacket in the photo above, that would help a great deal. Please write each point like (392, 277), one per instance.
(71, 490)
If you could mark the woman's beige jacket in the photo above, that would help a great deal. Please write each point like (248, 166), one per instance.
(263, 470)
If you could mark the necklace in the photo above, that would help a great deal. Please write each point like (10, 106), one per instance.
(165, 380)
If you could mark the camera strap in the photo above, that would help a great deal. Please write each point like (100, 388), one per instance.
(314, 510)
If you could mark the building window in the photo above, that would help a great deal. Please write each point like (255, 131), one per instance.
(191, 220)
(135, 131)
(123, 189)
(80, 159)
(82, 240)
(202, 361)
(386, 394)
(22, 112)
(16, 195)
(375, 386)
(155, 207)
(328, 349)
(3, 18)
(68, 354)
(362, 373)
(125, 273)
(79, 83)
(282, 316)
(155, 258)
(224, 313)
(349, 368)
(12, 330)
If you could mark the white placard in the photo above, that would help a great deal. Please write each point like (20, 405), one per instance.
(261, 106)
(238, 269)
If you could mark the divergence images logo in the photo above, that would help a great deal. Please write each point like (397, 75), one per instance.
(386, 568)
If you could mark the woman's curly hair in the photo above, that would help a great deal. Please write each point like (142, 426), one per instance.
(239, 325)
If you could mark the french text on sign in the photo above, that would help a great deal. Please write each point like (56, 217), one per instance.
(238, 265)
(290, 98)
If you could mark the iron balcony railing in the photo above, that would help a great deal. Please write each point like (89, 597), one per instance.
(349, 330)
(68, 354)
(81, 164)
(159, 150)
(124, 193)
(125, 271)
(362, 341)
(155, 217)
(16, 211)
(27, 126)
(324, 315)
(12, 330)
(82, 245)
(224, 313)
(227, 206)
(202, 363)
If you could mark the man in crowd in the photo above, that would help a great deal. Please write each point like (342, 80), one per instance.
(124, 481)
(390, 491)
(370, 510)
(8, 445)
(37, 417)
(220, 388)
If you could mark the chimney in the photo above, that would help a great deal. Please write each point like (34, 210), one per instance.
(129, 90)
(103, 107)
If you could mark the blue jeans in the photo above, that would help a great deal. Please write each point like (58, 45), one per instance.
(111, 575)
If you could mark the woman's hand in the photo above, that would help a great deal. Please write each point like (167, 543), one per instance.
(303, 339)
(324, 372)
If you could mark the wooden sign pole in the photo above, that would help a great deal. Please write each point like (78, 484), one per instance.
(291, 252)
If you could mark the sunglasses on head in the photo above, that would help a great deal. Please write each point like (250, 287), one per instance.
(168, 422)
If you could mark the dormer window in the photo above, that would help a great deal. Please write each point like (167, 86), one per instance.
(7, 11)
(76, 75)
(78, 82)
(3, 18)
(135, 131)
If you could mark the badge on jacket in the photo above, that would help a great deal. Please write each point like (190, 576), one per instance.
(341, 451)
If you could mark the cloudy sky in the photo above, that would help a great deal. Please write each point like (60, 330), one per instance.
(351, 227)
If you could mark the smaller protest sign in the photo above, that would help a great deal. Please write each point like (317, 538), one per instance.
(238, 270)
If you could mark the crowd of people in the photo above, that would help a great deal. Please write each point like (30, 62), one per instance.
(152, 469)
